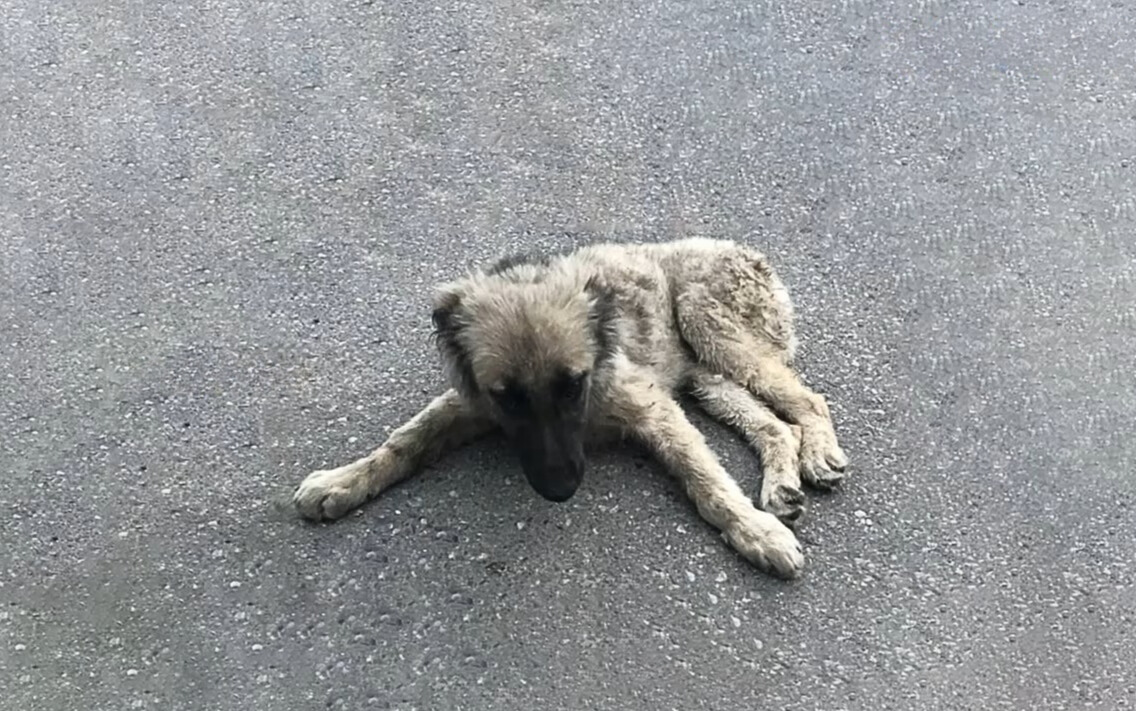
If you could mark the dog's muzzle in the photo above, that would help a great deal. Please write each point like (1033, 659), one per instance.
(553, 462)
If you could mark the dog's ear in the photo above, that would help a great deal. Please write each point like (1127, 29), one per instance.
(449, 321)
(602, 319)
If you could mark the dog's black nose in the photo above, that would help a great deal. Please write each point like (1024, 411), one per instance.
(557, 485)
(558, 496)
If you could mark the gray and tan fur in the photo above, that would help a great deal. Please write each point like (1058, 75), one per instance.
(596, 344)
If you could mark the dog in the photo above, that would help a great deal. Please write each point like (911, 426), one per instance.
(558, 351)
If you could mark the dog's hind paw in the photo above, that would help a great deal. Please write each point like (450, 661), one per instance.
(330, 494)
(767, 543)
(784, 501)
(822, 460)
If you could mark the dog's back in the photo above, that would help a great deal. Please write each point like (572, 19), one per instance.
(645, 281)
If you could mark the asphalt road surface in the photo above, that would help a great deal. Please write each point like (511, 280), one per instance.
(220, 222)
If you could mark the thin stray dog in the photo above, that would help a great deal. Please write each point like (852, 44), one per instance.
(594, 344)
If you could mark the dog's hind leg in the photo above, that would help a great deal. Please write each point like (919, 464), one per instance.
(725, 342)
(444, 424)
(776, 441)
(645, 410)
(822, 459)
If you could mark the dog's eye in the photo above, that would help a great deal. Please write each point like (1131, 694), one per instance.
(572, 386)
(510, 399)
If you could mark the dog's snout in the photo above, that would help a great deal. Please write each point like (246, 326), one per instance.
(553, 464)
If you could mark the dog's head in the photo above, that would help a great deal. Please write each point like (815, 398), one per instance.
(533, 354)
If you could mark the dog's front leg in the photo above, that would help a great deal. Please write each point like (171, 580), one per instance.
(655, 418)
(444, 424)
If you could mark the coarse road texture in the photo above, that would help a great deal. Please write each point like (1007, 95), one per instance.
(220, 223)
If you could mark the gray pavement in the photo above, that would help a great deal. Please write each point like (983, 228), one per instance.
(219, 225)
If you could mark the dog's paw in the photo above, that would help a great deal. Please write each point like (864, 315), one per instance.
(822, 460)
(767, 543)
(784, 501)
(329, 494)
